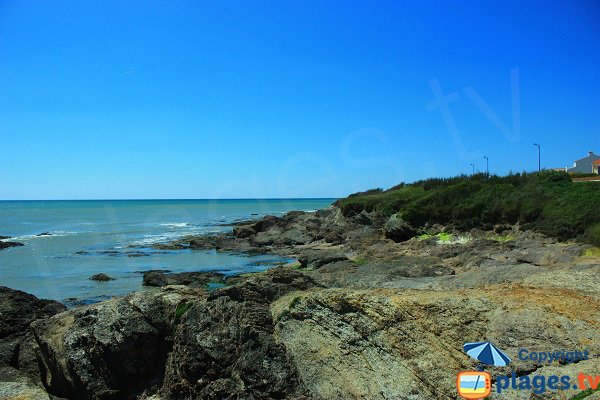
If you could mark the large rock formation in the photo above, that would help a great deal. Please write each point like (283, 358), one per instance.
(111, 350)
(391, 344)
(224, 347)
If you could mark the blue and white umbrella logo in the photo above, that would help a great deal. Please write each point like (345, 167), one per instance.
(487, 353)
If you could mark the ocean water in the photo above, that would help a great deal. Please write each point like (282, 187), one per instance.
(114, 237)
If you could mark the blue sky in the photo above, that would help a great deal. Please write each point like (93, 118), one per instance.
(175, 99)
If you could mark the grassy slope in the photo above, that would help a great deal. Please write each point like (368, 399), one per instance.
(548, 202)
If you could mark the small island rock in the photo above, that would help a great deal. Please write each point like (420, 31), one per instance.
(101, 278)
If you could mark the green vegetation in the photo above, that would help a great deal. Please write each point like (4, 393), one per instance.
(425, 236)
(547, 202)
(361, 261)
(592, 234)
(180, 310)
(444, 237)
(593, 252)
(584, 394)
(502, 238)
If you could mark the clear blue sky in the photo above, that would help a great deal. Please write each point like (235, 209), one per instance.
(177, 99)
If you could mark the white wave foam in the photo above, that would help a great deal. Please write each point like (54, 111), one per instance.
(175, 224)
(38, 236)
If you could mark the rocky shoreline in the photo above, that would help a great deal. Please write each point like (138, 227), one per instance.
(372, 309)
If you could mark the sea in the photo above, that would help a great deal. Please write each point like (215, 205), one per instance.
(66, 242)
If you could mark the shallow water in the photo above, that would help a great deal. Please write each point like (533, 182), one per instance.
(113, 237)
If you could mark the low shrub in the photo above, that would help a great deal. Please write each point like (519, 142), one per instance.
(547, 202)
(592, 234)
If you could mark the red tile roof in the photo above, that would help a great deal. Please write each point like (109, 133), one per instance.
(597, 162)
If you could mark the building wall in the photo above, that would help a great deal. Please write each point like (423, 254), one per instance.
(584, 165)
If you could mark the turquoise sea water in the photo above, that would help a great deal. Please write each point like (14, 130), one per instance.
(114, 237)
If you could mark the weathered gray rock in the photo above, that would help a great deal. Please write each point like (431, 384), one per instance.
(314, 259)
(398, 229)
(16, 385)
(399, 344)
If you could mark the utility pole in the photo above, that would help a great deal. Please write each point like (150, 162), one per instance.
(473, 165)
(539, 157)
(487, 166)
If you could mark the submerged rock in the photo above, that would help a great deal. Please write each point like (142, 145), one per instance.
(5, 245)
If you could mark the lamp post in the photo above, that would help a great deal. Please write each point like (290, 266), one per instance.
(487, 166)
(473, 165)
(539, 157)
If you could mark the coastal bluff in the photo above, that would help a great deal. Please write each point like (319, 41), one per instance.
(359, 317)
(377, 305)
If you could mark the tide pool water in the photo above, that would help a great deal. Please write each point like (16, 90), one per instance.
(114, 237)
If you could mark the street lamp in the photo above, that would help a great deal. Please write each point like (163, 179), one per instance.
(487, 166)
(473, 165)
(539, 157)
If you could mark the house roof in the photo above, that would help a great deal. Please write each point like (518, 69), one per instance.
(597, 162)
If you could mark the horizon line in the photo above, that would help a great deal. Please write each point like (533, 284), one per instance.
(182, 199)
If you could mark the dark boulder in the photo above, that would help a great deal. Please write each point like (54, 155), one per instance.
(266, 223)
(193, 279)
(155, 278)
(244, 231)
(268, 286)
(334, 237)
(314, 259)
(206, 242)
(101, 278)
(361, 219)
(225, 348)
(17, 311)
